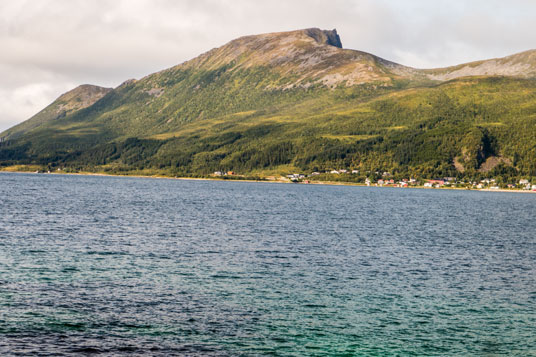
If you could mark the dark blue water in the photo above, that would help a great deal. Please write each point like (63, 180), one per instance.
(130, 266)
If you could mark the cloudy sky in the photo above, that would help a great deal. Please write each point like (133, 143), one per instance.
(50, 46)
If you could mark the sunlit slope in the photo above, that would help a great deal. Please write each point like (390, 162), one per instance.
(422, 131)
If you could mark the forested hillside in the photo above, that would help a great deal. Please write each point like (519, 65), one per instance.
(294, 102)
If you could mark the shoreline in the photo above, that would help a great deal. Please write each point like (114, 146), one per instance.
(325, 183)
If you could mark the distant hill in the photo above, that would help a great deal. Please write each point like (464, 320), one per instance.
(521, 65)
(72, 101)
(294, 101)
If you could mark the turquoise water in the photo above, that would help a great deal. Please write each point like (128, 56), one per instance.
(131, 266)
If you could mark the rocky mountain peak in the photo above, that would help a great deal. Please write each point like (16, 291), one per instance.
(309, 56)
(328, 37)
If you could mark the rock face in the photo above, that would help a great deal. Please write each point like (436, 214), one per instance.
(333, 38)
(325, 36)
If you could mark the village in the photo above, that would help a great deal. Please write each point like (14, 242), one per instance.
(387, 181)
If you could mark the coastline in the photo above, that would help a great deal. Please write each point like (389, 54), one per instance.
(281, 181)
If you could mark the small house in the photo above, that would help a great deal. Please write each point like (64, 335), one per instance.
(437, 182)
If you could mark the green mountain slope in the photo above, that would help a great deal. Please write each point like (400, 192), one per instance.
(281, 102)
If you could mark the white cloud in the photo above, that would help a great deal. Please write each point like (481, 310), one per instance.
(48, 46)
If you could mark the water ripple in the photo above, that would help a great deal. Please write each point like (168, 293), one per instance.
(127, 266)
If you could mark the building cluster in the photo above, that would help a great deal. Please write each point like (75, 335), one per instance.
(487, 183)
(526, 185)
(224, 173)
(394, 183)
(386, 180)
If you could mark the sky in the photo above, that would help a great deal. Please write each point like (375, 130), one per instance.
(48, 47)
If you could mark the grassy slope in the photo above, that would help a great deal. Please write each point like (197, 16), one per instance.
(417, 131)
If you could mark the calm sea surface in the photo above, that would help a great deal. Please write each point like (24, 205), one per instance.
(127, 266)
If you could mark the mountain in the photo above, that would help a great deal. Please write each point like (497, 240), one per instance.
(276, 103)
(81, 97)
(303, 58)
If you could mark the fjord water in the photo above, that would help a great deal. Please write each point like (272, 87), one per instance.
(168, 267)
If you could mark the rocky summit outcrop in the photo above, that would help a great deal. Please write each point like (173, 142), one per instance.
(306, 57)
(325, 36)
